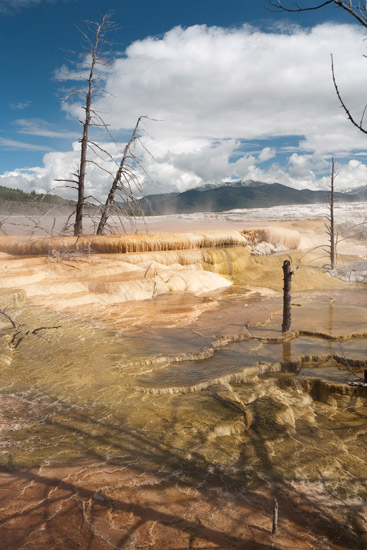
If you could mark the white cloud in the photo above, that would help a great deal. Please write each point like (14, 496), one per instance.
(21, 145)
(41, 179)
(266, 154)
(39, 127)
(348, 176)
(20, 105)
(62, 166)
(212, 89)
(240, 83)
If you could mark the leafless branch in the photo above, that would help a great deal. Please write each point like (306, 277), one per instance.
(66, 181)
(19, 335)
(13, 323)
(92, 144)
(90, 161)
(279, 6)
(342, 102)
(356, 11)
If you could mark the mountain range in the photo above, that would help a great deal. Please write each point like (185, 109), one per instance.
(207, 198)
(241, 194)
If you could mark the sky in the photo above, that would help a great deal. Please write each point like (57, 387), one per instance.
(230, 90)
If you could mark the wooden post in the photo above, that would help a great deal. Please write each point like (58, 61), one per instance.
(275, 517)
(287, 318)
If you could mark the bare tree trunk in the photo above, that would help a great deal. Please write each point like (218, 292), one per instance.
(117, 180)
(330, 225)
(126, 179)
(331, 229)
(287, 297)
(78, 226)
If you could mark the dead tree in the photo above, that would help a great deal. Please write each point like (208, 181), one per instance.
(330, 226)
(287, 296)
(124, 181)
(95, 41)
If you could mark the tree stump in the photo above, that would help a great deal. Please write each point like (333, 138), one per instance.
(287, 297)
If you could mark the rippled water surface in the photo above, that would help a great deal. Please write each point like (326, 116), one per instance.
(184, 397)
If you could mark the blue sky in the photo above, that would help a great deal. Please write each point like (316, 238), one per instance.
(239, 92)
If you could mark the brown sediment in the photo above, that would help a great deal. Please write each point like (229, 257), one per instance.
(102, 506)
(182, 497)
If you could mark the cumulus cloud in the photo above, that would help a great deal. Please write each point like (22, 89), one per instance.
(348, 176)
(240, 83)
(42, 179)
(62, 166)
(216, 91)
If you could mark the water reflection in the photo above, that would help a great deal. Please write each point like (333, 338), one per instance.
(287, 351)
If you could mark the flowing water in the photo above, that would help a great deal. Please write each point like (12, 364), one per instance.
(196, 395)
(191, 413)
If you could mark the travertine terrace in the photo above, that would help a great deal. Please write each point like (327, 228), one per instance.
(167, 410)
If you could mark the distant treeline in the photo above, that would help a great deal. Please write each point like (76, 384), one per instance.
(17, 195)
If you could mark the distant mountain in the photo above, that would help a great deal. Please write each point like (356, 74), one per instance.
(240, 194)
(207, 198)
(360, 192)
(231, 183)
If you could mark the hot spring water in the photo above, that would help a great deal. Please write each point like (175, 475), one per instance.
(224, 394)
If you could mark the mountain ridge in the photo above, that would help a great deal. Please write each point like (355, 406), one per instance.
(247, 194)
(230, 195)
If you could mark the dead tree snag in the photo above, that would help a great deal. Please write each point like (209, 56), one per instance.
(123, 182)
(330, 226)
(95, 40)
(287, 296)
